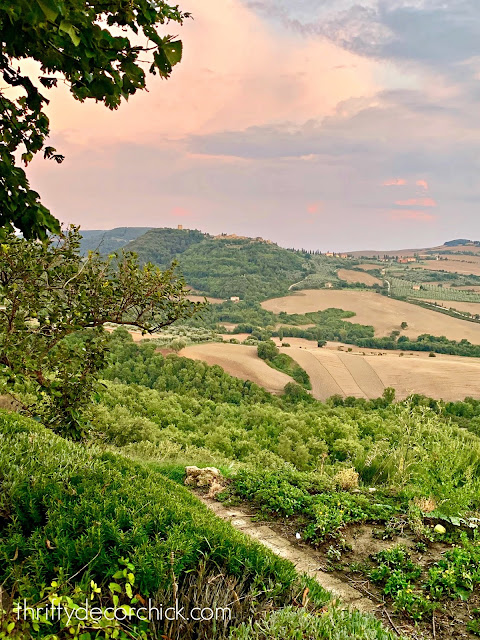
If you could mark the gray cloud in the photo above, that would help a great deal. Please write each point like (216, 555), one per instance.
(435, 32)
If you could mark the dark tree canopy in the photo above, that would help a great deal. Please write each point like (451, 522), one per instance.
(98, 49)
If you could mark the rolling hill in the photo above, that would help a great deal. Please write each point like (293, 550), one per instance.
(224, 266)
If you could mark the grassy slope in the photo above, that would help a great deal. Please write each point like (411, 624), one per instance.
(70, 510)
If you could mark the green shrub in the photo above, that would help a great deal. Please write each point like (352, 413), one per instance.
(70, 510)
(297, 624)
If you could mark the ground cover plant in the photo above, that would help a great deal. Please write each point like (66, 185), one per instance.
(61, 545)
(420, 590)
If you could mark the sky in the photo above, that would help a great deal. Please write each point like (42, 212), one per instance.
(318, 124)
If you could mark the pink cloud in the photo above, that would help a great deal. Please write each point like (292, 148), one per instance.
(423, 184)
(180, 212)
(394, 182)
(220, 65)
(314, 207)
(417, 202)
(411, 214)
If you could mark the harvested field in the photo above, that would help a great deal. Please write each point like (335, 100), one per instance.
(296, 342)
(237, 336)
(468, 265)
(467, 288)
(364, 375)
(349, 275)
(229, 326)
(446, 378)
(471, 307)
(370, 267)
(383, 313)
(240, 361)
(195, 298)
(322, 380)
(350, 374)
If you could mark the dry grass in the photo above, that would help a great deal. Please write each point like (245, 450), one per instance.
(346, 479)
(357, 276)
(384, 314)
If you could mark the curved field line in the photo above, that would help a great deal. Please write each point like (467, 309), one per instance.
(365, 376)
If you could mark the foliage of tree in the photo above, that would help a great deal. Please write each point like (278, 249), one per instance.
(224, 267)
(55, 305)
(267, 350)
(161, 246)
(202, 410)
(95, 48)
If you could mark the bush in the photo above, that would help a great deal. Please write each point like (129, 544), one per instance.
(295, 624)
(67, 510)
(267, 350)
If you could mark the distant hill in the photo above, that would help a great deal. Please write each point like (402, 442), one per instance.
(460, 245)
(224, 266)
(107, 241)
(461, 242)
(161, 246)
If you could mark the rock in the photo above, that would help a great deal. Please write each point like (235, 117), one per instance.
(202, 477)
(215, 489)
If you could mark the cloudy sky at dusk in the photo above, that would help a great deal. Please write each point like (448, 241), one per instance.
(327, 124)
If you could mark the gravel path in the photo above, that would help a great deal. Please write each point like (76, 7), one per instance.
(304, 560)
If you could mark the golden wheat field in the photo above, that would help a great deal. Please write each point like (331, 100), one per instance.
(383, 313)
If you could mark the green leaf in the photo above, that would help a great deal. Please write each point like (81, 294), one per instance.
(69, 29)
(49, 8)
(173, 51)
